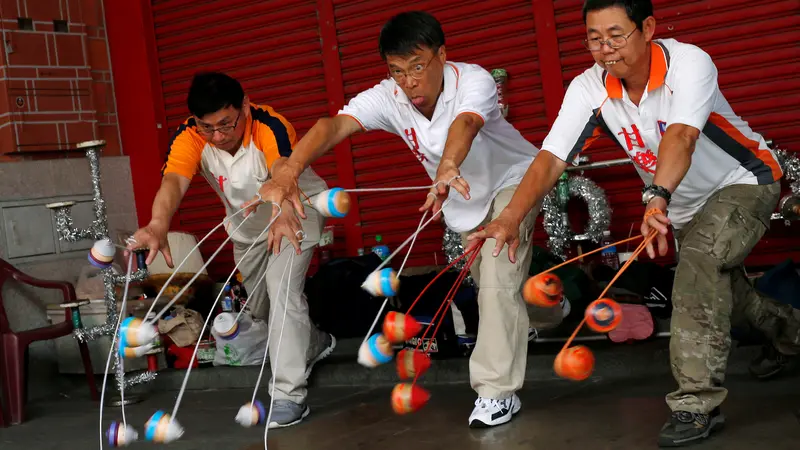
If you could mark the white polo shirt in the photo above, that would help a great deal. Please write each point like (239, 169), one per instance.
(237, 178)
(499, 155)
(682, 89)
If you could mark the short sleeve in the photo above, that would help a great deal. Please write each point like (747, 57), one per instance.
(577, 126)
(694, 88)
(477, 94)
(369, 108)
(272, 133)
(184, 152)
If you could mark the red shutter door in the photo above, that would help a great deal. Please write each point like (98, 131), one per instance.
(754, 46)
(273, 48)
(493, 34)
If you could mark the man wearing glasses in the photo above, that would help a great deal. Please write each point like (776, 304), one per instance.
(714, 179)
(234, 145)
(448, 115)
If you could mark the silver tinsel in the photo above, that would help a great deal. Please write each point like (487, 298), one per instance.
(453, 248)
(599, 214)
(99, 230)
(790, 164)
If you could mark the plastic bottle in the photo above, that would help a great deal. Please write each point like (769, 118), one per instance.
(609, 256)
(380, 250)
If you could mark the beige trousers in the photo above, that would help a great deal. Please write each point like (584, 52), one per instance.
(301, 340)
(497, 364)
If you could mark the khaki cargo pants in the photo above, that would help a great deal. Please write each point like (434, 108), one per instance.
(301, 339)
(711, 291)
(497, 364)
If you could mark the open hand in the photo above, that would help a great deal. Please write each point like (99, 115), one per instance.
(504, 230)
(286, 225)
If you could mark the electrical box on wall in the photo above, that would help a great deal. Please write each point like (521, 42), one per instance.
(28, 232)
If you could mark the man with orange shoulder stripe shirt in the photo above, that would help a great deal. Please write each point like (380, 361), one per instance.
(715, 180)
(233, 144)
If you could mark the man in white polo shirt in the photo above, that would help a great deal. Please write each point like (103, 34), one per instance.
(448, 115)
(707, 174)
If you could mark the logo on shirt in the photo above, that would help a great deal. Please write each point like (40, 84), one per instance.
(411, 136)
(644, 158)
(221, 180)
(662, 127)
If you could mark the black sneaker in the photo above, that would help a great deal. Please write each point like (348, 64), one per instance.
(770, 363)
(685, 428)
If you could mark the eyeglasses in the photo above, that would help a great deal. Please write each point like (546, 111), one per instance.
(225, 129)
(614, 42)
(416, 72)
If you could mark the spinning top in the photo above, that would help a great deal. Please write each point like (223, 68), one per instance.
(603, 315)
(133, 332)
(251, 414)
(375, 351)
(162, 429)
(135, 352)
(120, 435)
(332, 203)
(226, 326)
(408, 398)
(101, 255)
(575, 363)
(383, 283)
(411, 362)
(399, 327)
(543, 290)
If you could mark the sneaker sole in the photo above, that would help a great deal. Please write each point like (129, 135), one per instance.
(514, 411)
(275, 425)
(322, 355)
(717, 424)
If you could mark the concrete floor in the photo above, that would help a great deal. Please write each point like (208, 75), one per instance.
(594, 415)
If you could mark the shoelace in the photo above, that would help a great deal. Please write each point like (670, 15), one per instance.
(485, 403)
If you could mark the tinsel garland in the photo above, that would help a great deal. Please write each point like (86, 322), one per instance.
(453, 248)
(599, 214)
(790, 164)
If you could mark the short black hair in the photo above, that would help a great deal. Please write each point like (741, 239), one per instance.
(637, 10)
(212, 91)
(409, 31)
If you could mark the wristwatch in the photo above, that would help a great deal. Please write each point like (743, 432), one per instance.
(653, 190)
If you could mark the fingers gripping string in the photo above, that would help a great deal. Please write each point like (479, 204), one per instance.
(205, 324)
(278, 351)
(177, 269)
(115, 348)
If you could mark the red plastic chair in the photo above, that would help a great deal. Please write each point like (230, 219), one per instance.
(14, 344)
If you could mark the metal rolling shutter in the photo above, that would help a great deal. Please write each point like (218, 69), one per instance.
(493, 34)
(273, 48)
(759, 73)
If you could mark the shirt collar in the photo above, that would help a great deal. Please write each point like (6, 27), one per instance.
(659, 64)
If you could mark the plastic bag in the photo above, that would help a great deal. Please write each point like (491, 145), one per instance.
(246, 348)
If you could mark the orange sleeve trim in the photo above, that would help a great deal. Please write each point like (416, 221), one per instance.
(185, 151)
(363, 128)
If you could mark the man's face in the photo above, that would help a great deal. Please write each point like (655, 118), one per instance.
(613, 24)
(419, 75)
(224, 129)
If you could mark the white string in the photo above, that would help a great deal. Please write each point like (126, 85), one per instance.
(278, 352)
(251, 295)
(386, 300)
(410, 238)
(175, 271)
(402, 188)
(199, 271)
(114, 340)
(205, 325)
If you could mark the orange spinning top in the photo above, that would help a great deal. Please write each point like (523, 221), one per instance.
(544, 289)
(574, 363)
(411, 363)
(408, 398)
(603, 315)
(399, 327)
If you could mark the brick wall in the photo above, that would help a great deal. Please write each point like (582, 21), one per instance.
(55, 79)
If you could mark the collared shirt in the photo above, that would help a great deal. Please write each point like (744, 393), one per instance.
(682, 89)
(237, 178)
(498, 157)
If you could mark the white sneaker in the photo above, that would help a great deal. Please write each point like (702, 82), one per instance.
(490, 412)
